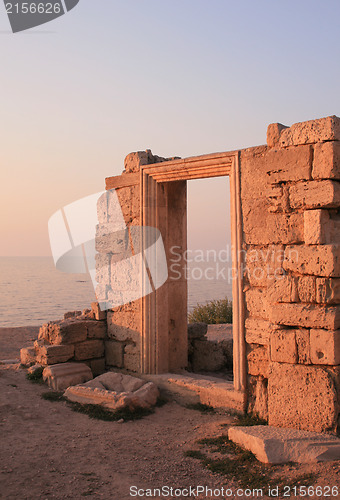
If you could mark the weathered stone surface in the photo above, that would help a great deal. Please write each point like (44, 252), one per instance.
(197, 330)
(256, 303)
(325, 347)
(315, 194)
(302, 397)
(103, 270)
(258, 361)
(63, 332)
(263, 228)
(311, 132)
(35, 369)
(283, 346)
(307, 288)
(99, 315)
(52, 354)
(114, 353)
(89, 349)
(133, 161)
(27, 356)
(273, 134)
(318, 260)
(302, 338)
(96, 329)
(112, 239)
(278, 198)
(284, 289)
(132, 359)
(321, 227)
(258, 331)
(292, 164)
(307, 315)
(326, 164)
(124, 323)
(115, 391)
(258, 396)
(277, 446)
(208, 356)
(328, 291)
(264, 264)
(61, 376)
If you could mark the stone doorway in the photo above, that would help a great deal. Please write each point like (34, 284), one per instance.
(164, 312)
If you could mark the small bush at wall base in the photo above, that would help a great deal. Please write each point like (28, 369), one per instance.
(212, 313)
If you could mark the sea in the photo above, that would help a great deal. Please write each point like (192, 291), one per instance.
(33, 291)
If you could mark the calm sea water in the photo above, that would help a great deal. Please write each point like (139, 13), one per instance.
(33, 291)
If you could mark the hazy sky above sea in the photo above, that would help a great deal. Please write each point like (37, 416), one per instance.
(181, 77)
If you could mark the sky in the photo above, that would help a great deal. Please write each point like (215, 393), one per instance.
(180, 77)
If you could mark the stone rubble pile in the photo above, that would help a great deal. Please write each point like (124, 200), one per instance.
(79, 337)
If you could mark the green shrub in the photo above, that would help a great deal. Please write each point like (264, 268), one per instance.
(214, 312)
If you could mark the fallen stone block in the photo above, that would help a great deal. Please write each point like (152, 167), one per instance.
(277, 446)
(53, 354)
(115, 391)
(27, 356)
(61, 376)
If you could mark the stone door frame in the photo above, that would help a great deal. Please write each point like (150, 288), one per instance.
(163, 186)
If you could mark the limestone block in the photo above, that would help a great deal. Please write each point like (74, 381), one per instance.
(27, 356)
(208, 356)
(258, 361)
(99, 315)
(315, 194)
(197, 330)
(292, 164)
(89, 349)
(263, 228)
(302, 397)
(278, 198)
(132, 358)
(264, 264)
(111, 239)
(52, 354)
(325, 347)
(141, 395)
(124, 323)
(135, 203)
(307, 288)
(256, 303)
(258, 396)
(271, 445)
(114, 352)
(61, 376)
(273, 134)
(326, 164)
(103, 271)
(66, 332)
(133, 161)
(257, 331)
(283, 346)
(302, 338)
(328, 290)
(306, 315)
(321, 227)
(311, 132)
(284, 289)
(318, 260)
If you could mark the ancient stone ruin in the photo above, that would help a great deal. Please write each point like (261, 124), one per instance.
(285, 201)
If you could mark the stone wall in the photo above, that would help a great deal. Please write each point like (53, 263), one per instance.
(290, 202)
(290, 196)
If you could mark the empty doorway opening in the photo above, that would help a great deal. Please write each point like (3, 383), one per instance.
(209, 277)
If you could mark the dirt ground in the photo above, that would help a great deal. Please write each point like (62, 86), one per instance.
(49, 451)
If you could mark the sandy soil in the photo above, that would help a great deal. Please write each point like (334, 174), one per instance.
(49, 451)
